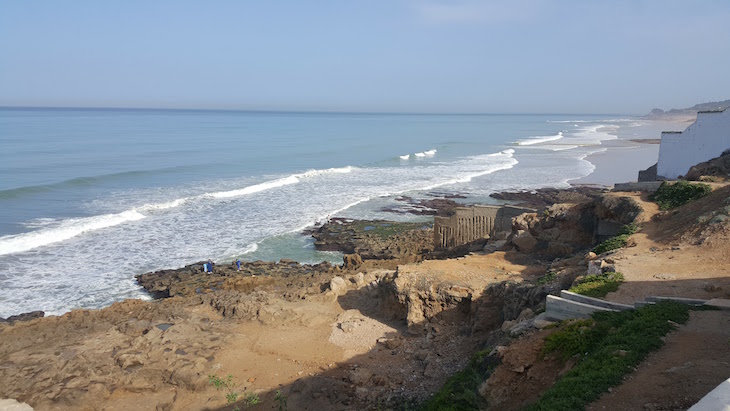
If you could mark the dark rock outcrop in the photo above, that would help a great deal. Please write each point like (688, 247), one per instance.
(716, 169)
(376, 239)
(563, 229)
(545, 197)
(192, 280)
(23, 317)
(649, 174)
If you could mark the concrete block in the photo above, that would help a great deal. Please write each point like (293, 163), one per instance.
(716, 400)
(594, 301)
(721, 303)
(645, 186)
(690, 301)
(640, 304)
(559, 308)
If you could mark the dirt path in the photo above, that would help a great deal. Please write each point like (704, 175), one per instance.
(695, 359)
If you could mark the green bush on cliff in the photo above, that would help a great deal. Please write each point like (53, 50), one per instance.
(598, 285)
(674, 195)
(609, 346)
(618, 241)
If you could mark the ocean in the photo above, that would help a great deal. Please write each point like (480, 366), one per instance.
(91, 197)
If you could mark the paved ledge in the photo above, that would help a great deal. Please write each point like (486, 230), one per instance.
(717, 400)
(559, 308)
(594, 301)
(720, 303)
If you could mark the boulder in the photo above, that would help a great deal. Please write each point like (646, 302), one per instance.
(352, 261)
(524, 241)
(338, 285)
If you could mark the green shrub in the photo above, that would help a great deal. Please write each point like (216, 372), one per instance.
(674, 195)
(598, 285)
(549, 277)
(460, 390)
(618, 241)
(609, 346)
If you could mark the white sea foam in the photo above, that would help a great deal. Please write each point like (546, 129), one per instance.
(594, 134)
(405, 157)
(430, 153)
(163, 206)
(67, 229)
(255, 188)
(539, 139)
(292, 179)
(314, 173)
(562, 148)
(508, 151)
(420, 154)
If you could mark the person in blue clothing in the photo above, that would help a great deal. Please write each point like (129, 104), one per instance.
(205, 268)
(210, 266)
(238, 264)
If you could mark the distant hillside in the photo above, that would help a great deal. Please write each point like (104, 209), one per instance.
(688, 114)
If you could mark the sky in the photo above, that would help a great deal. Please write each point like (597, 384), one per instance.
(457, 56)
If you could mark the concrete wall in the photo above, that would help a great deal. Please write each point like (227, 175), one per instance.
(645, 186)
(705, 139)
(469, 224)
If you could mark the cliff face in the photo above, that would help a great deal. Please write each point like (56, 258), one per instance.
(687, 113)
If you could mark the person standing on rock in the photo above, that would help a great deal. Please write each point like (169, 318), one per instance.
(210, 266)
(238, 265)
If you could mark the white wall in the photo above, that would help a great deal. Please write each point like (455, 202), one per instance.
(705, 139)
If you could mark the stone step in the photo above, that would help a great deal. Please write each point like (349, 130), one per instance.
(594, 301)
(690, 301)
(559, 308)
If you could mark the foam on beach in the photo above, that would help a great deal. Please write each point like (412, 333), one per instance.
(539, 139)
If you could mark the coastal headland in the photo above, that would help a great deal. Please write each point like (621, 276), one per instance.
(389, 326)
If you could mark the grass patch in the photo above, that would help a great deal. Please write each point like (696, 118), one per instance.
(610, 345)
(682, 192)
(598, 285)
(618, 241)
(547, 278)
(460, 391)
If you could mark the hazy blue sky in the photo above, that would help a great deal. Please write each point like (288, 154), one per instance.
(375, 55)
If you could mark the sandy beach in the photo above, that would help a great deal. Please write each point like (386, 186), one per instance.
(625, 156)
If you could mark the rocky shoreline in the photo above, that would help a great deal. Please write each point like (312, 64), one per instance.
(382, 330)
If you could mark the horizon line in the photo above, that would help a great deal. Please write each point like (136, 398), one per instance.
(283, 111)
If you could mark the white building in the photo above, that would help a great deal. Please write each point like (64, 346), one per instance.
(703, 140)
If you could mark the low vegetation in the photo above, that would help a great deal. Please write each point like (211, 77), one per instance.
(460, 391)
(618, 241)
(548, 278)
(384, 230)
(682, 192)
(607, 346)
(598, 285)
(227, 384)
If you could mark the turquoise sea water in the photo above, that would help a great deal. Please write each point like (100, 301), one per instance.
(89, 198)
